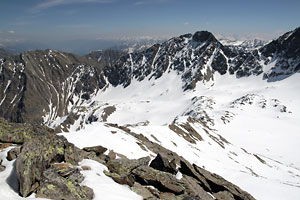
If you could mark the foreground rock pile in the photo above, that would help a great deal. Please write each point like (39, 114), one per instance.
(168, 178)
(47, 164)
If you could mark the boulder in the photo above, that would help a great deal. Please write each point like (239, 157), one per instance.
(63, 183)
(187, 169)
(13, 153)
(120, 169)
(193, 188)
(163, 163)
(143, 191)
(97, 149)
(163, 181)
(36, 156)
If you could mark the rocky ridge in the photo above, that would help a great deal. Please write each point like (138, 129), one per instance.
(47, 165)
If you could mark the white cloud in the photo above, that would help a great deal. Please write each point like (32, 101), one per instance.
(186, 23)
(53, 3)
(12, 32)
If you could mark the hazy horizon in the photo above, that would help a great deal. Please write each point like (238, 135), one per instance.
(71, 24)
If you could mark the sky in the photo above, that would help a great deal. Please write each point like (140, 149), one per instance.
(55, 22)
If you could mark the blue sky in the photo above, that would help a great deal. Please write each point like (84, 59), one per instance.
(54, 21)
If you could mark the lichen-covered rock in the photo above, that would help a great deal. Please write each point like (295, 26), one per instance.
(72, 154)
(36, 156)
(13, 153)
(63, 183)
(14, 133)
(121, 169)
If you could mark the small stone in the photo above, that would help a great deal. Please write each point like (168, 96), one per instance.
(84, 167)
(13, 153)
(2, 168)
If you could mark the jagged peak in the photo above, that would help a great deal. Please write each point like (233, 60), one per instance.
(202, 36)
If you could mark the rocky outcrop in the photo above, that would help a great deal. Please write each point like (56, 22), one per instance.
(45, 162)
(121, 169)
(284, 54)
(165, 164)
(37, 155)
(63, 182)
(194, 182)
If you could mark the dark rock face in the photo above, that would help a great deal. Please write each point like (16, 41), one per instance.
(163, 163)
(39, 82)
(188, 55)
(203, 36)
(285, 52)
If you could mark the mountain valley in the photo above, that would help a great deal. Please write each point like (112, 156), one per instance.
(230, 109)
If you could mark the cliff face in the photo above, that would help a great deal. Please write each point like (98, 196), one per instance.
(39, 82)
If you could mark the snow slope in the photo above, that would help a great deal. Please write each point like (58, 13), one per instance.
(249, 129)
(250, 135)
